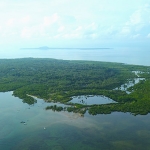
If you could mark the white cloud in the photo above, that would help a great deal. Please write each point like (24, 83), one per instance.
(79, 28)
(26, 33)
(61, 29)
(71, 36)
(135, 18)
(136, 36)
(25, 19)
(125, 31)
(148, 36)
(92, 26)
(57, 36)
(80, 20)
(94, 36)
(10, 22)
(138, 23)
(50, 20)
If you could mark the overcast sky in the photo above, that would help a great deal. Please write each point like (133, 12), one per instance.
(74, 23)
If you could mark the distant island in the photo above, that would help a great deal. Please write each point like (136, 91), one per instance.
(41, 48)
(47, 48)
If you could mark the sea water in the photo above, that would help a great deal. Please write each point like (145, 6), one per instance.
(46, 129)
(128, 55)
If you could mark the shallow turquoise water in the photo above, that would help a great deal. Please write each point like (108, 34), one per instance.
(62, 130)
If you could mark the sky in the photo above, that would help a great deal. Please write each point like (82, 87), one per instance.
(74, 23)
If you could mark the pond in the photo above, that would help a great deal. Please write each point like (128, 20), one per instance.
(91, 100)
(51, 130)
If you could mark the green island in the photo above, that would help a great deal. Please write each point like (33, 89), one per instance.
(59, 80)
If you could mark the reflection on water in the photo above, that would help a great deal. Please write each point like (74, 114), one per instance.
(130, 83)
(65, 130)
(90, 100)
(124, 87)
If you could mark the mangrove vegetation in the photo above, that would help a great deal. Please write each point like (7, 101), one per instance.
(59, 80)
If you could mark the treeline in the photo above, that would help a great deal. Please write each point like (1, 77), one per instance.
(51, 78)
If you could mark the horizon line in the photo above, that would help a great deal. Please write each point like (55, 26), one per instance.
(46, 48)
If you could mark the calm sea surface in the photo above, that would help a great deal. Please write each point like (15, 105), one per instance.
(138, 56)
(48, 130)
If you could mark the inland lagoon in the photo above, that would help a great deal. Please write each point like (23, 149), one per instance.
(26, 126)
(91, 100)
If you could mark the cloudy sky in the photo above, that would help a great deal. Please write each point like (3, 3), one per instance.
(74, 23)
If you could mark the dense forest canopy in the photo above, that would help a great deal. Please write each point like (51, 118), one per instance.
(59, 80)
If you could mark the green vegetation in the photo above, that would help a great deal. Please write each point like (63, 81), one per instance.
(59, 80)
(54, 108)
